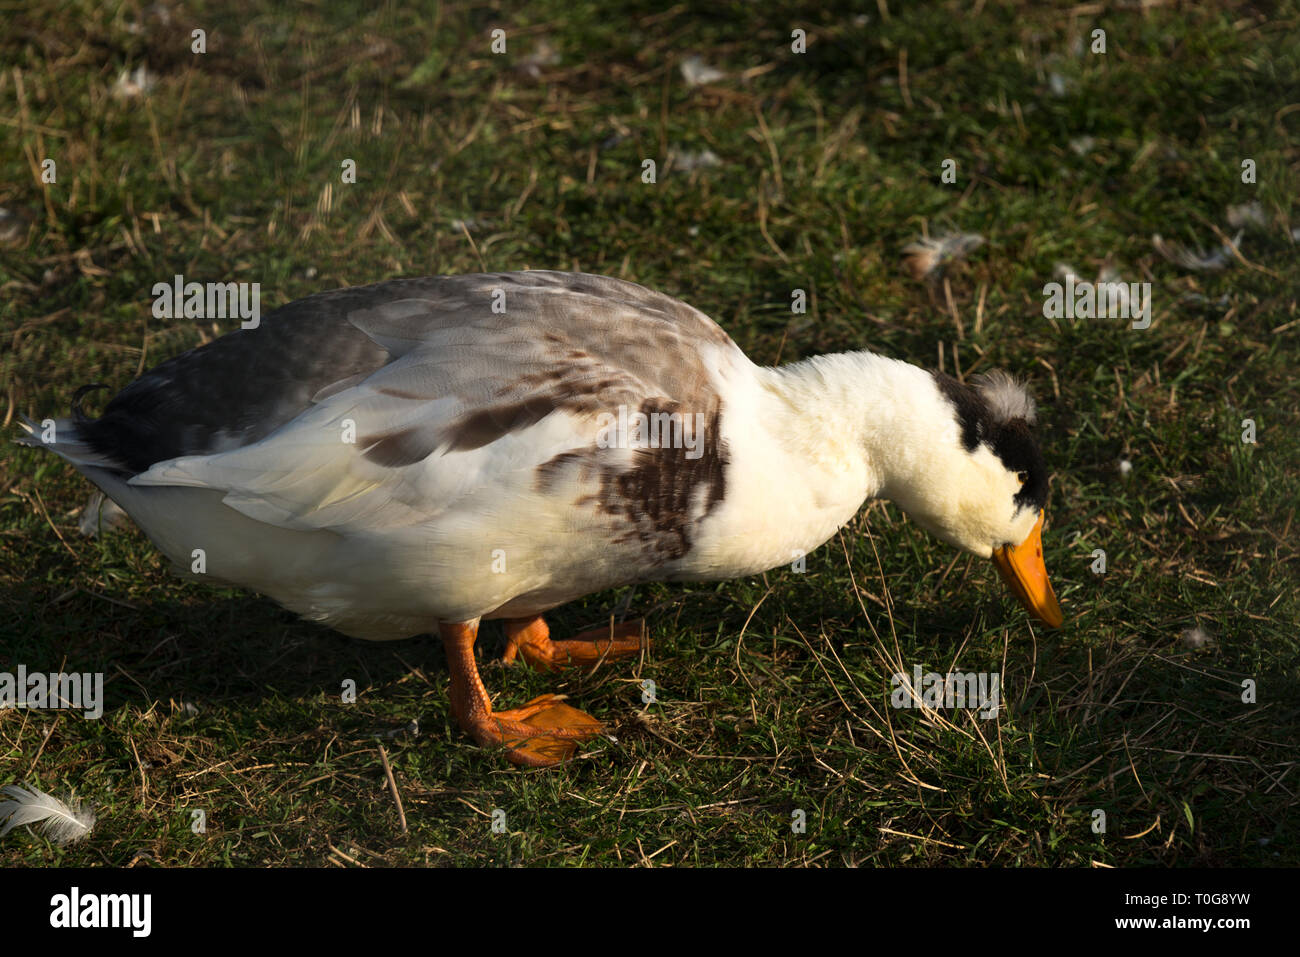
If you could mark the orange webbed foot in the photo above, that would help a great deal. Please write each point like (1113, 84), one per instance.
(543, 732)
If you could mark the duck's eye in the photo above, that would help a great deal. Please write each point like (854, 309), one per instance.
(1023, 477)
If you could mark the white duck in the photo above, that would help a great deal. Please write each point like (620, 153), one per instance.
(428, 453)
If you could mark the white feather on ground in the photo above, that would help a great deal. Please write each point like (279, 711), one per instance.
(543, 55)
(131, 84)
(1247, 216)
(63, 824)
(1109, 283)
(926, 258)
(698, 73)
(688, 161)
(1196, 260)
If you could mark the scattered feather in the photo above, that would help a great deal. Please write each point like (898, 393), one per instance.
(1247, 216)
(1083, 145)
(14, 224)
(63, 824)
(157, 12)
(688, 161)
(1056, 83)
(1197, 260)
(543, 55)
(101, 514)
(133, 83)
(1197, 638)
(1295, 234)
(1199, 299)
(928, 256)
(411, 728)
(1109, 283)
(1125, 468)
(697, 73)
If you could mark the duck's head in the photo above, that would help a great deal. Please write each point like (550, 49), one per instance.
(986, 488)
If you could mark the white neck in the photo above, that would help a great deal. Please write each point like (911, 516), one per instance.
(809, 442)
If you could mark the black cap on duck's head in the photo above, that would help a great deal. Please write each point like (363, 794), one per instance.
(992, 504)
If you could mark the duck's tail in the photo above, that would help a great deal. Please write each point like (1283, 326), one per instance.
(64, 437)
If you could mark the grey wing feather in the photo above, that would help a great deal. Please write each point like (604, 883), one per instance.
(507, 349)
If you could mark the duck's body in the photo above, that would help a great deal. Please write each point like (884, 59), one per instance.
(427, 453)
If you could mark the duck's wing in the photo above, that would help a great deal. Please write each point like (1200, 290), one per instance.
(482, 382)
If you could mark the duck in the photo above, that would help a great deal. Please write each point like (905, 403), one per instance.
(422, 455)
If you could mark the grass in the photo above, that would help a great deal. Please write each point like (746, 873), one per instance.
(773, 693)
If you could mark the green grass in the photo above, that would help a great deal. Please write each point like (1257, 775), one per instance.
(773, 692)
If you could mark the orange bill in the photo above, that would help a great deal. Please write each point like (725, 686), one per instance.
(1022, 568)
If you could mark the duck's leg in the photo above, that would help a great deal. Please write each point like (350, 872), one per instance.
(530, 638)
(543, 732)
